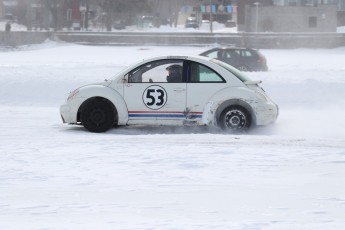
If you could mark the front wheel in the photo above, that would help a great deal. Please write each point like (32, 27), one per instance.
(235, 118)
(97, 116)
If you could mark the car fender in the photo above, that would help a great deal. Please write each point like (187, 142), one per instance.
(241, 96)
(100, 91)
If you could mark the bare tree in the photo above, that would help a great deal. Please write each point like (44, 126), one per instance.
(130, 7)
(53, 13)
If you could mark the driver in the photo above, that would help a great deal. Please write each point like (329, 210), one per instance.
(174, 73)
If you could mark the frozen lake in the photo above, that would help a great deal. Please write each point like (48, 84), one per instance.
(285, 176)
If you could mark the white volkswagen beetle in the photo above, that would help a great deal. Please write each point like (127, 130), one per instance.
(174, 91)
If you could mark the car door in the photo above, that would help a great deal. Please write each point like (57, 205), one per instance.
(151, 99)
(233, 57)
(202, 83)
(250, 58)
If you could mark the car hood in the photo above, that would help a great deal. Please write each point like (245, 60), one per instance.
(103, 83)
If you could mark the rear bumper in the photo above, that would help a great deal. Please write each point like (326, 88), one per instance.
(267, 113)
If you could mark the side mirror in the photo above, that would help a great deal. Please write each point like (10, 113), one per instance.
(124, 79)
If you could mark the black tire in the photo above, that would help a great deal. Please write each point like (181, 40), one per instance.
(235, 118)
(243, 68)
(97, 116)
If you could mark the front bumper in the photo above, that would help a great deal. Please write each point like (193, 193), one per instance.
(69, 111)
(66, 114)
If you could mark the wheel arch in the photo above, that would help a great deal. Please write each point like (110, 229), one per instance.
(113, 97)
(81, 107)
(235, 102)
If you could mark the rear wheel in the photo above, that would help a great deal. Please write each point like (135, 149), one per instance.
(235, 118)
(97, 116)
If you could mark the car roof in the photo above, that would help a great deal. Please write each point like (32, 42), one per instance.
(226, 48)
(189, 57)
(200, 59)
(231, 48)
(155, 58)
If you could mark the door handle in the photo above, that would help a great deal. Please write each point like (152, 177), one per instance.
(179, 89)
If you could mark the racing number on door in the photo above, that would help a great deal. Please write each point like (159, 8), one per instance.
(160, 101)
(155, 97)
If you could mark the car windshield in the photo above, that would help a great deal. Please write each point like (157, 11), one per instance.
(232, 70)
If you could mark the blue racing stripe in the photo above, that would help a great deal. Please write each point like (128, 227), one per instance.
(158, 115)
(164, 115)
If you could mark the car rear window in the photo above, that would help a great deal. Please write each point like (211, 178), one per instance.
(232, 70)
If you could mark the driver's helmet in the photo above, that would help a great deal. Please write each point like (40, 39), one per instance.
(175, 69)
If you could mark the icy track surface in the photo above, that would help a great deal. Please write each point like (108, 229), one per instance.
(54, 177)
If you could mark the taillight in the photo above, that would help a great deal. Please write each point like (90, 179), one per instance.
(262, 59)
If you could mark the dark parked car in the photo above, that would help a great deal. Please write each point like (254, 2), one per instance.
(10, 18)
(244, 59)
(191, 22)
(119, 25)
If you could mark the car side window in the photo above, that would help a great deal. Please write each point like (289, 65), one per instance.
(223, 54)
(234, 54)
(247, 53)
(202, 74)
(158, 71)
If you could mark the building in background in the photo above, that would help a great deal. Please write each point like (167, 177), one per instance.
(289, 15)
(9, 10)
(176, 12)
(1, 10)
(320, 18)
(44, 14)
(248, 15)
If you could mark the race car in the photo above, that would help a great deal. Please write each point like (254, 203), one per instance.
(172, 91)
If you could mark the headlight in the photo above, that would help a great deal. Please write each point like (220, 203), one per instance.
(72, 94)
(261, 96)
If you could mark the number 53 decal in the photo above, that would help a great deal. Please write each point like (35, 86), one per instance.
(155, 97)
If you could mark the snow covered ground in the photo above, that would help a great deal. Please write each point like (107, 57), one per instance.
(53, 176)
(204, 28)
(341, 29)
(14, 26)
